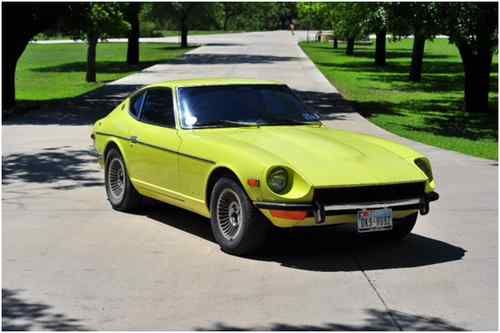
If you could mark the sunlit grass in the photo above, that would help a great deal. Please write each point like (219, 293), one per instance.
(429, 111)
(57, 71)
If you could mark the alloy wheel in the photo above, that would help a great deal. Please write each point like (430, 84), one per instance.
(229, 214)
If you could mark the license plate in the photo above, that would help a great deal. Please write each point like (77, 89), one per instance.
(370, 220)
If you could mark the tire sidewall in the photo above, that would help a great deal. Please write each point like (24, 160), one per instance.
(246, 208)
(114, 154)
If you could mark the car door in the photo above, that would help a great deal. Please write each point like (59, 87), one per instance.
(154, 142)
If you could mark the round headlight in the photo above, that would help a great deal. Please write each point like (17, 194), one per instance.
(278, 180)
(425, 166)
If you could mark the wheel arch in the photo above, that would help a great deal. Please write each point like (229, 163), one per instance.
(217, 173)
(113, 143)
(109, 145)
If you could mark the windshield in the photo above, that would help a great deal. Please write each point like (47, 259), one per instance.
(242, 105)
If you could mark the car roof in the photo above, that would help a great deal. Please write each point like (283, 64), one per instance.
(211, 82)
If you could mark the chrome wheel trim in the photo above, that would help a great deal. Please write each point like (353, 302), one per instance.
(116, 181)
(229, 214)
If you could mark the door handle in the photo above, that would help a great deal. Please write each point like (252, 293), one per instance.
(134, 139)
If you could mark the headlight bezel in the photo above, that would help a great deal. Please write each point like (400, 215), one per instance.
(425, 166)
(279, 172)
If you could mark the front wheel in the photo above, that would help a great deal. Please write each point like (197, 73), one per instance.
(237, 225)
(121, 193)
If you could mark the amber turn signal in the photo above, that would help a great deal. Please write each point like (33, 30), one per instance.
(253, 182)
(289, 214)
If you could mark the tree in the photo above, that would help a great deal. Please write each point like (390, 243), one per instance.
(350, 21)
(254, 16)
(96, 20)
(185, 15)
(20, 23)
(132, 11)
(230, 10)
(473, 27)
(100, 20)
(283, 13)
(422, 19)
(313, 15)
(377, 22)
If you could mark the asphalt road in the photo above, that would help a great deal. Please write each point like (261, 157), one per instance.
(71, 262)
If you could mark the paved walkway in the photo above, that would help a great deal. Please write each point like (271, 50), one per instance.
(71, 262)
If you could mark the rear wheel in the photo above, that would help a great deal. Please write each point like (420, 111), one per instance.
(121, 193)
(237, 225)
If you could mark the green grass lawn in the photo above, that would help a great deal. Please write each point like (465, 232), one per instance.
(51, 72)
(428, 111)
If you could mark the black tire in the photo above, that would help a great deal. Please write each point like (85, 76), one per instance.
(402, 227)
(128, 201)
(252, 227)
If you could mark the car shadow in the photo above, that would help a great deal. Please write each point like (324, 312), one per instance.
(323, 249)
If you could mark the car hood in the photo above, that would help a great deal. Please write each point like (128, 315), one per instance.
(326, 157)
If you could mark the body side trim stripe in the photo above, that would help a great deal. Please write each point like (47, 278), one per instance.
(157, 147)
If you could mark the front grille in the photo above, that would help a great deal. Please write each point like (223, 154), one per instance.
(344, 195)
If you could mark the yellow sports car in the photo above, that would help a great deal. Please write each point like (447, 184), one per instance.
(247, 153)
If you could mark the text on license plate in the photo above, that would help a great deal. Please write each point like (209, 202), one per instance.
(370, 220)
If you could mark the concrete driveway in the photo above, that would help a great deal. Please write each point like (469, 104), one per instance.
(71, 262)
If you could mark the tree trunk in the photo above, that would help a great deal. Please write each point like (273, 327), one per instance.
(91, 58)
(133, 37)
(417, 57)
(20, 22)
(335, 43)
(380, 48)
(13, 49)
(224, 24)
(184, 35)
(349, 50)
(477, 67)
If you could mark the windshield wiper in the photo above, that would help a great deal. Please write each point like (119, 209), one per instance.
(226, 123)
(241, 123)
(291, 122)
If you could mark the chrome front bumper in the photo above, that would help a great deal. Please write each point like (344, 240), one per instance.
(321, 211)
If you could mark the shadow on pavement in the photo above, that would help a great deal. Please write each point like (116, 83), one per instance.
(21, 315)
(62, 168)
(324, 249)
(81, 110)
(376, 321)
(221, 44)
(230, 58)
(329, 105)
(86, 109)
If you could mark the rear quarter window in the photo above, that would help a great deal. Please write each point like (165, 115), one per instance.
(136, 104)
